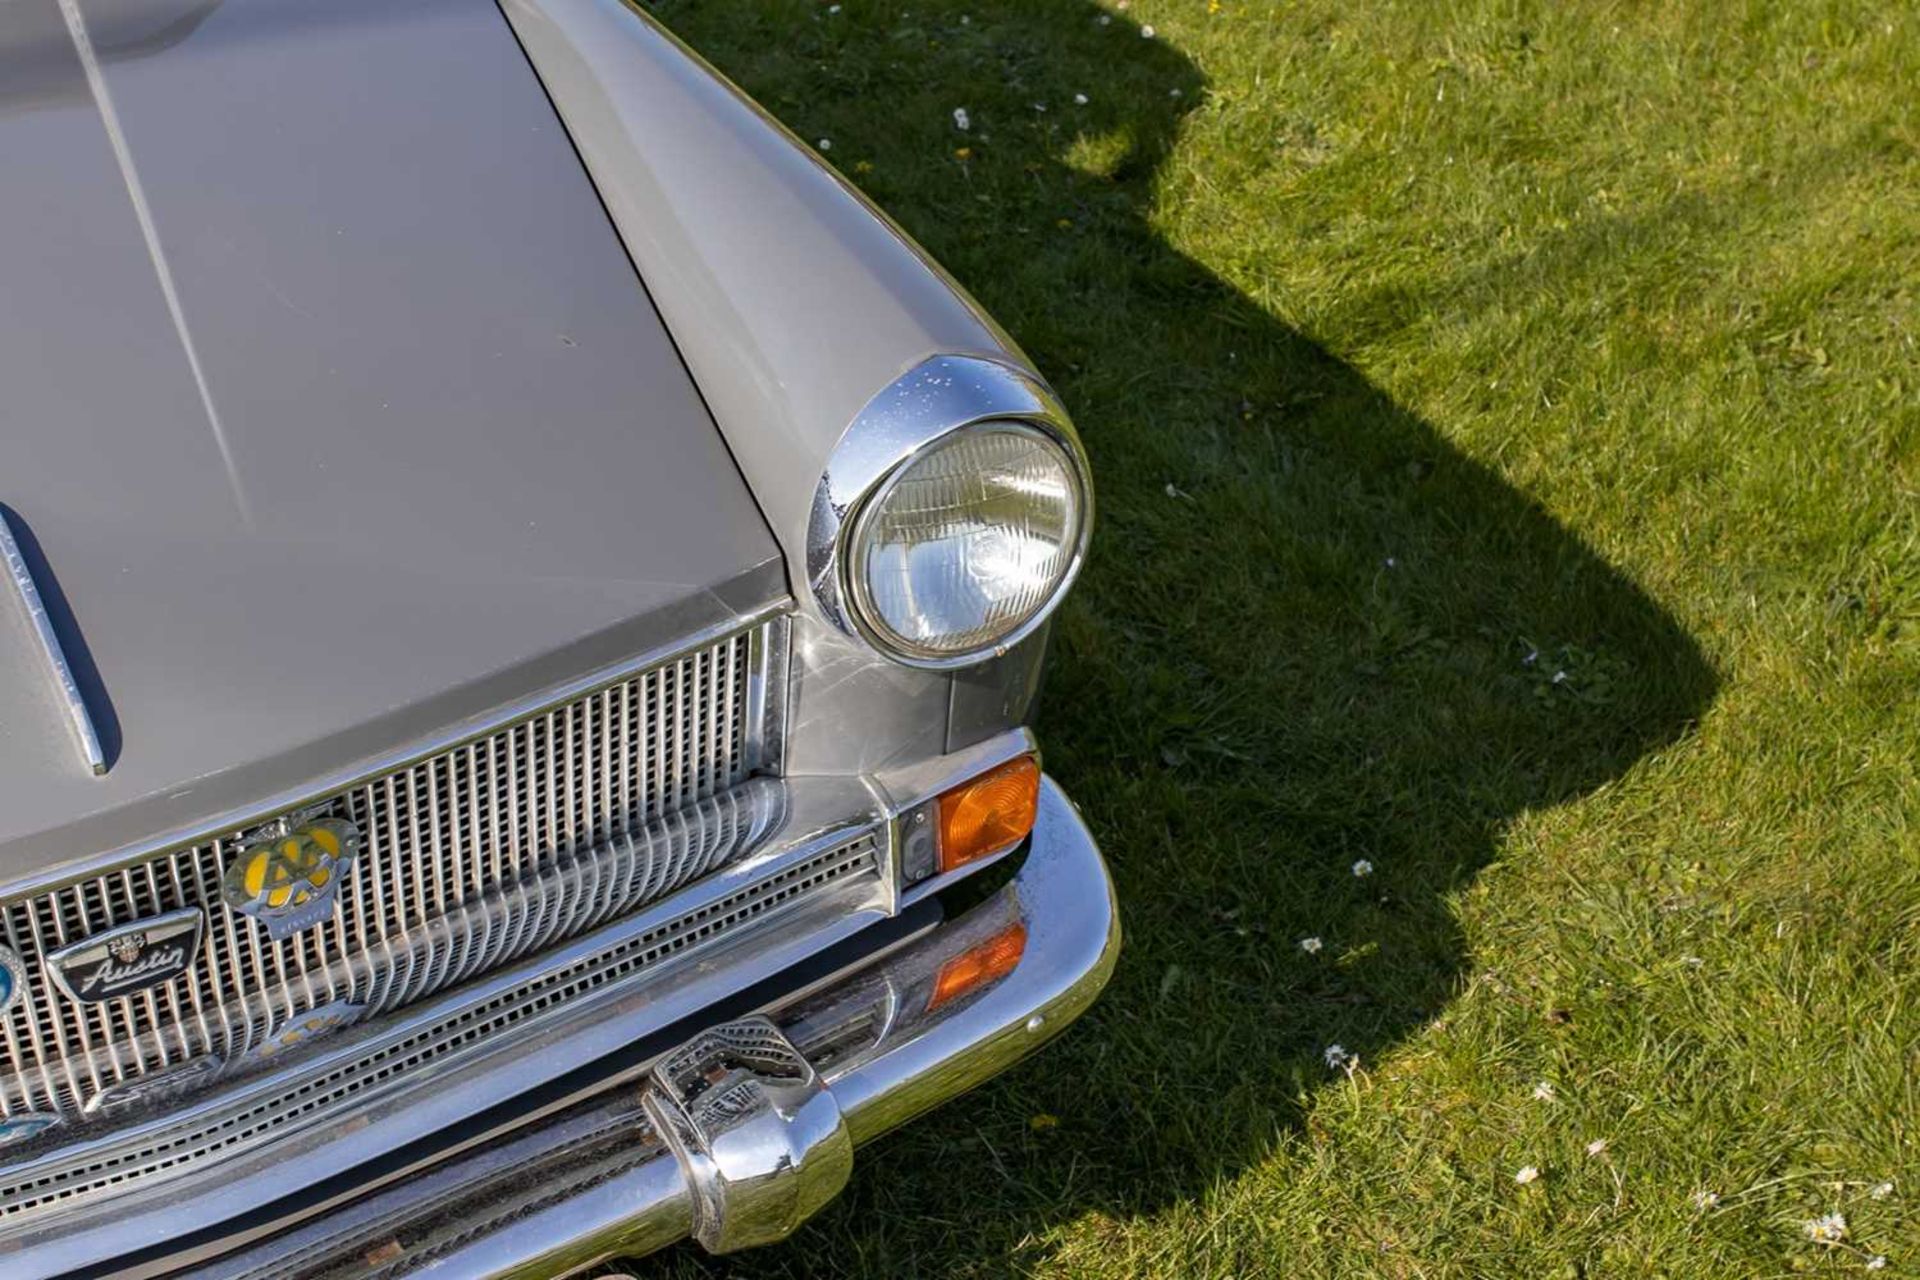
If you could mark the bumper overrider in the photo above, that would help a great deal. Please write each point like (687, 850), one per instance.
(746, 1128)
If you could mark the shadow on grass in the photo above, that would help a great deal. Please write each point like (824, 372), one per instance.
(1312, 633)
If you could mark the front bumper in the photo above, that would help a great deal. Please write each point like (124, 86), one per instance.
(736, 1137)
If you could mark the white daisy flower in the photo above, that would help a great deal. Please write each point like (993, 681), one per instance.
(1597, 1146)
(1828, 1228)
(961, 120)
(1079, 99)
(1526, 1174)
(1362, 869)
(1880, 1190)
(1146, 33)
(1705, 1199)
(1310, 945)
(1543, 1092)
(1337, 1057)
(1878, 1262)
(826, 144)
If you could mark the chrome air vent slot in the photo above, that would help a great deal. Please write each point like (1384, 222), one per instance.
(473, 856)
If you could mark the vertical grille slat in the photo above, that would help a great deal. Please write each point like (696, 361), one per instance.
(483, 819)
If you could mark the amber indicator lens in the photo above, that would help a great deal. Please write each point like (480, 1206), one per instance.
(979, 966)
(992, 813)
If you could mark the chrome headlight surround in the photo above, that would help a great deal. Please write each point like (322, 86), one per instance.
(918, 412)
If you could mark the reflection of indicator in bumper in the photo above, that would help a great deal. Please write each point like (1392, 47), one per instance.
(762, 1112)
(989, 962)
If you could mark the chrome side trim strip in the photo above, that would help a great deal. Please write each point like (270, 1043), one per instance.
(77, 713)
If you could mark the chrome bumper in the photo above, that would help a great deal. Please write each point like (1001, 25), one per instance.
(738, 1135)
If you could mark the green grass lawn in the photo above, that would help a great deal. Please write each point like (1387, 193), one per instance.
(1507, 423)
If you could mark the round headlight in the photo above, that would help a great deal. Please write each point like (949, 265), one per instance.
(968, 543)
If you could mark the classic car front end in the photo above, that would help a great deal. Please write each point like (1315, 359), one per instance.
(528, 593)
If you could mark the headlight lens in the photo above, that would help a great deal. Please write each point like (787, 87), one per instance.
(967, 542)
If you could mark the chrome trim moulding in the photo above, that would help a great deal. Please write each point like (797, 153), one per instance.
(76, 705)
(766, 711)
(582, 1186)
(923, 405)
(769, 616)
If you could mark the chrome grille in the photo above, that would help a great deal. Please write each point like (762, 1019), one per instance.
(481, 823)
(844, 867)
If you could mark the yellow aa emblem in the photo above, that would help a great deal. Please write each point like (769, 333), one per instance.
(288, 881)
